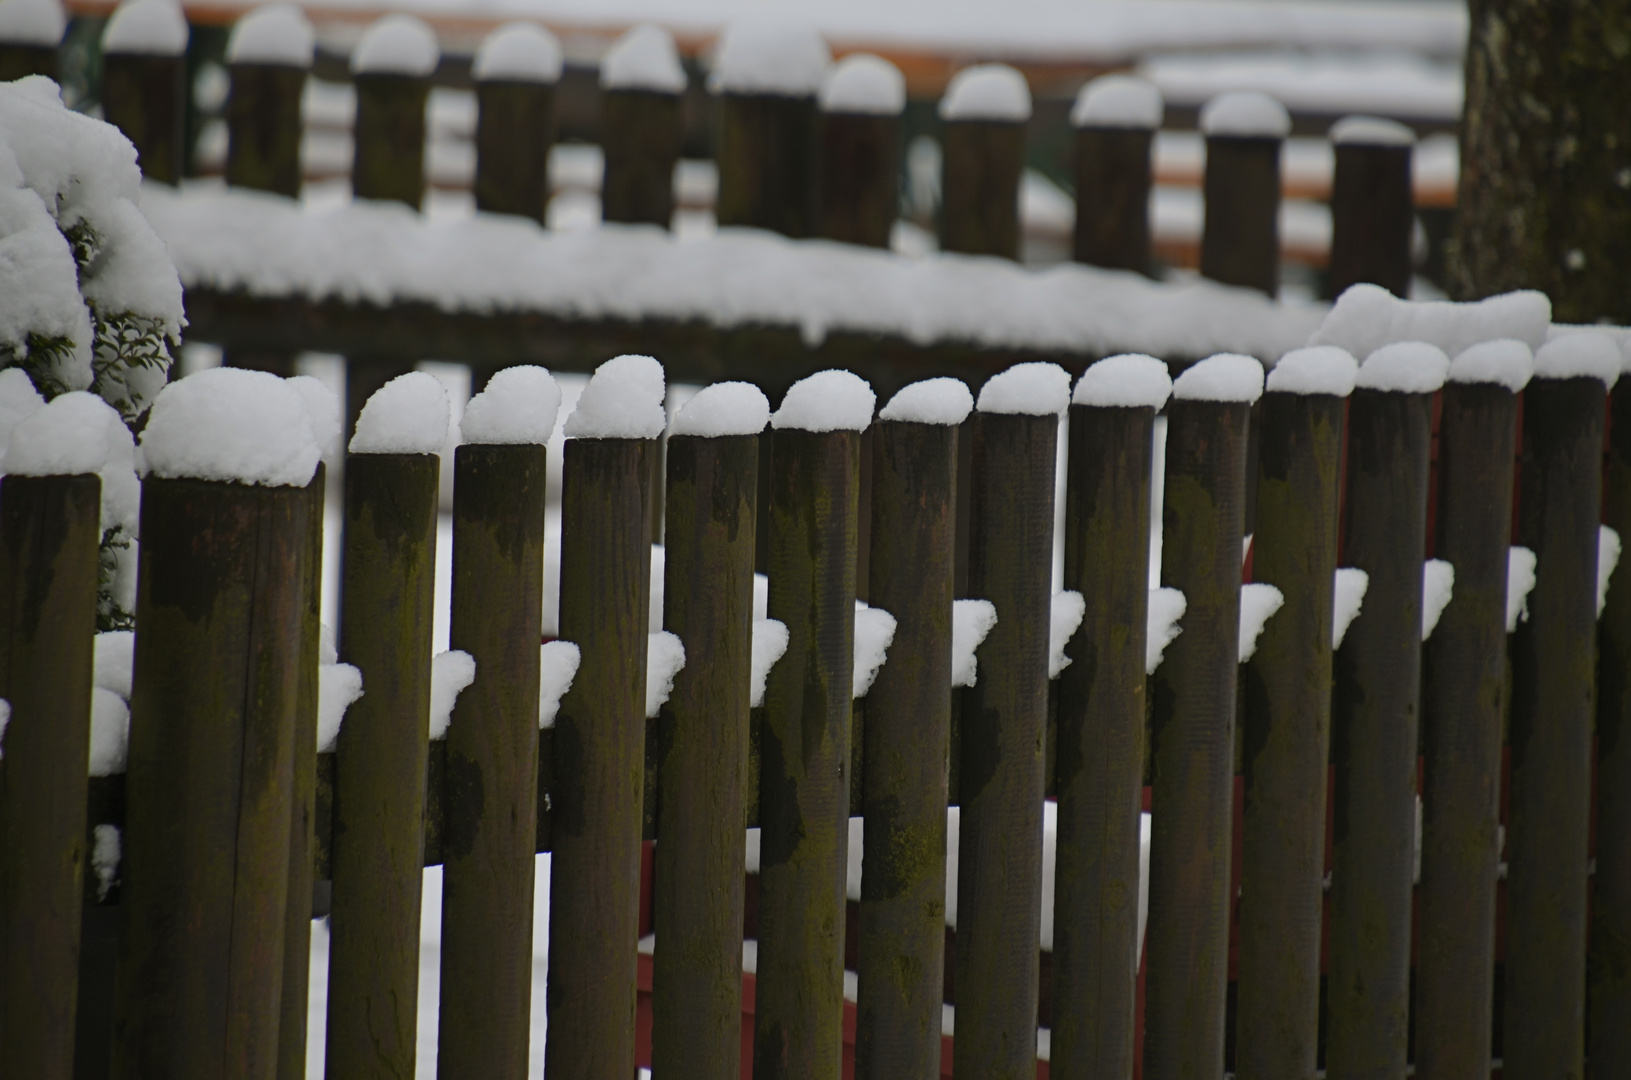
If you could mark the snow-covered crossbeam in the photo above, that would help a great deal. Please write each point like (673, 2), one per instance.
(373, 255)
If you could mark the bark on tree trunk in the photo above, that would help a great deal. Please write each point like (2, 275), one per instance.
(1545, 199)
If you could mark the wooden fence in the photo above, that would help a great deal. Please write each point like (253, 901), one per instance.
(194, 963)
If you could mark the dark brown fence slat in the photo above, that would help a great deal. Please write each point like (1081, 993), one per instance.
(1373, 735)
(1553, 699)
(907, 733)
(20, 59)
(703, 739)
(1372, 206)
(1192, 732)
(1100, 757)
(767, 162)
(1115, 118)
(640, 135)
(515, 129)
(145, 96)
(1240, 240)
(599, 754)
(984, 159)
(389, 161)
(206, 846)
(1610, 975)
(49, 530)
(264, 127)
(387, 585)
(1004, 716)
(1463, 708)
(1286, 722)
(804, 755)
(303, 804)
(860, 156)
(489, 820)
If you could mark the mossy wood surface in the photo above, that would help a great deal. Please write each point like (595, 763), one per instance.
(1113, 178)
(1240, 239)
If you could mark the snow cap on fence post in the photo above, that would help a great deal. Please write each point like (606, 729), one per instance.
(408, 415)
(1222, 377)
(987, 92)
(519, 405)
(272, 34)
(396, 45)
(1248, 114)
(1032, 389)
(940, 400)
(864, 84)
(32, 22)
(1405, 367)
(765, 56)
(624, 400)
(724, 408)
(1130, 380)
(644, 58)
(831, 400)
(1579, 354)
(1366, 317)
(1118, 101)
(1320, 369)
(71, 435)
(518, 52)
(1505, 362)
(146, 27)
(861, 102)
(231, 424)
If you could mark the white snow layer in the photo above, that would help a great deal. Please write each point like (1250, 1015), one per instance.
(1506, 362)
(67, 437)
(624, 400)
(1319, 369)
(450, 673)
(110, 733)
(380, 253)
(830, 400)
(1065, 616)
(874, 633)
(1118, 101)
(18, 401)
(665, 658)
(1167, 606)
(725, 408)
(1405, 367)
(338, 686)
(644, 58)
(866, 84)
(941, 400)
(38, 276)
(1583, 354)
(1224, 377)
(115, 663)
(408, 415)
(5, 718)
(1371, 131)
(971, 621)
(1257, 603)
(153, 27)
(322, 410)
(1037, 388)
(518, 52)
(1349, 596)
(106, 850)
(327, 653)
(1245, 114)
(659, 576)
(519, 405)
(769, 643)
(231, 424)
(769, 56)
(987, 92)
(1608, 558)
(1437, 588)
(397, 45)
(32, 22)
(557, 667)
(761, 596)
(273, 34)
(1366, 317)
(1131, 380)
(1520, 579)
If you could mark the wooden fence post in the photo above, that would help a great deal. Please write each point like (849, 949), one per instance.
(1553, 699)
(144, 83)
(1463, 710)
(515, 71)
(907, 734)
(703, 737)
(1610, 977)
(223, 607)
(1286, 715)
(1373, 209)
(489, 817)
(391, 67)
(292, 1033)
(984, 114)
(1116, 118)
(641, 83)
(1373, 712)
(1240, 241)
(600, 732)
(269, 55)
(861, 105)
(49, 530)
(386, 591)
(28, 46)
(769, 130)
(1000, 786)
(1101, 701)
(805, 739)
(1192, 731)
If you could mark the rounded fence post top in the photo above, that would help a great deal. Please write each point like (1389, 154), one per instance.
(274, 34)
(764, 56)
(1119, 101)
(518, 52)
(644, 58)
(866, 84)
(395, 45)
(1248, 114)
(987, 92)
(32, 22)
(1371, 131)
(147, 27)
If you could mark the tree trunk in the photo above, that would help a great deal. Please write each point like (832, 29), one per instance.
(1545, 200)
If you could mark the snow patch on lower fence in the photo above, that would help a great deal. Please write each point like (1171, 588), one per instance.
(769, 643)
(971, 621)
(380, 253)
(665, 658)
(1258, 603)
(1167, 606)
(1437, 587)
(338, 686)
(874, 633)
(1066, 613)
(1608, 558)
(1520, 579)
(557, 667)
(450, 673)
(1351, 584)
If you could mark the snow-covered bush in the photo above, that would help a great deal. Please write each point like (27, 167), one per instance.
(92, 300)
